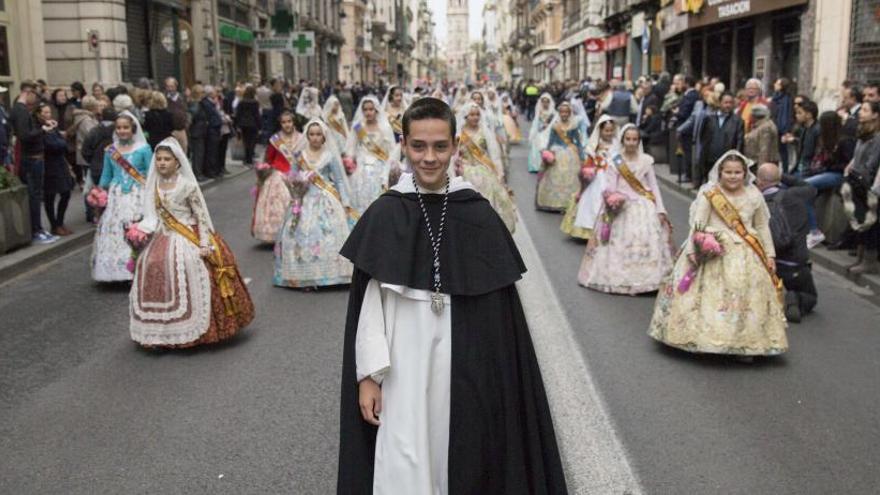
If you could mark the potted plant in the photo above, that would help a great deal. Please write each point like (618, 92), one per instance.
(15, 224)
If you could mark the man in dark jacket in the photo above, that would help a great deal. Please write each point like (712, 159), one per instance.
(787, 199)
(685, 133)
(721, 131)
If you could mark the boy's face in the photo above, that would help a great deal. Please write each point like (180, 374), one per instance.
(429, 147)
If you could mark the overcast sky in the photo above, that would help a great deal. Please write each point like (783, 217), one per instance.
(475, 27)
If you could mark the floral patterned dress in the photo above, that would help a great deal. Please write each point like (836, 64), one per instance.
(638, 255)
(307, 251)
(558, 182)
(273, 196)
(370, 178)
(176, 299)
(487, 181)
(732, 306)
(110, 252)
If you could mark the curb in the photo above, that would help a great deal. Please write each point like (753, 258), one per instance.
(78, 240)
(828, 259)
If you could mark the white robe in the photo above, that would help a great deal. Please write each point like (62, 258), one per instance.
(407, 348)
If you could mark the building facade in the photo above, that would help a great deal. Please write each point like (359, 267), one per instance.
(545, 20)
(457, 39)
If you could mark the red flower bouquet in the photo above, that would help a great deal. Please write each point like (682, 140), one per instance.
(548, 157)
(97, 198)
(706, 246)
(349, 164)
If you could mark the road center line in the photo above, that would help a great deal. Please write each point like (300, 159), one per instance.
(593, 458)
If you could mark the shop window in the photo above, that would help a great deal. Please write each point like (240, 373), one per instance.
(4, 52)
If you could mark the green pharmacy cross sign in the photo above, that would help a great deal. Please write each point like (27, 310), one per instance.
(303, 43)
(283, 21)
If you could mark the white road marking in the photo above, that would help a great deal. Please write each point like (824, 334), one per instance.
(593, 458)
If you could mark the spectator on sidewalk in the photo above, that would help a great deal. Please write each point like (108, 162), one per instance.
(5, 130)
(859, 190)
(782, 108)
(96, 141)
(179, 108)
(84, 120)
(29, 134)
(754, 95)
(834, 151)
(57, 179)
(807, 136)
(871, 92)
(761, 144)
(851, 103)
(247, 122)
(689, 130)
(158, 120)
(620, 104)
(721, 132)
(786, 198)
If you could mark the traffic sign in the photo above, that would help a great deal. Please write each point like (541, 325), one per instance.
(594, 45)
(303, 43)
(92, 36)
(552, 63)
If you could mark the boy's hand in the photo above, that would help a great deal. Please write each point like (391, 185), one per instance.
(370, 400)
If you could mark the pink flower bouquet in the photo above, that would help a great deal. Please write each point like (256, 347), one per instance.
(263, 170)
(298, 182)
(706, 246)
(349, 164)
(548, 157)
(588, 173)
(135, 236)
(614, 202)
(97, 198)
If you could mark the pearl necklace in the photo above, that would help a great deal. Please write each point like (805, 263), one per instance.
(436, 298)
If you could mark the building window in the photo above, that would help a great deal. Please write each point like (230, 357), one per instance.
(864, 48)
(4, 52)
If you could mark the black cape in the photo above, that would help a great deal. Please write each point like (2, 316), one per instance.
(501, 438)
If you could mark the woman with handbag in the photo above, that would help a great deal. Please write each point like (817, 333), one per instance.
(247, 122)
(859, 192)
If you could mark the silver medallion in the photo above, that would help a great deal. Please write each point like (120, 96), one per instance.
(437, 303)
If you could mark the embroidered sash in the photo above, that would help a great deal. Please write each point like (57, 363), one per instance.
(396, 124)
(337, 126)
(563, 135)
(475, 151)
(285, 150)
(633, 181)
(368, 143)
(126, 165)
(224, 272)
(318, 180)
(730, 215)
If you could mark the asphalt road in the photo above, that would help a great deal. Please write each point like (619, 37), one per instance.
(84, 410)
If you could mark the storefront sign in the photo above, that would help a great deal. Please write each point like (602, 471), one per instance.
(715, 11)
(594, 45)
(670, 23)
(303, 43)
(615, 42)
(235, 33)
(637, 26)
(279, 44)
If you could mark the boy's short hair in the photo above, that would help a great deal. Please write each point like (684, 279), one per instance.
(428, 108)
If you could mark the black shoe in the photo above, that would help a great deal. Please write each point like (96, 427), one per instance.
(793, 312)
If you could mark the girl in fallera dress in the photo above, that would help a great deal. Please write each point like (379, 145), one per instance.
(394, 104)
(729, 303)
(335, 119)
(558, 181)
(545, 112)
(319, 218)
(126, 163)
(273, 196)
(479, 162)
(372, 146)
(187, 289)
(308, 104)
(637, 255)
(509, 117)
(601, 147)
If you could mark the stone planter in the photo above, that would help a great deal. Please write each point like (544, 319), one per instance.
(15, 223)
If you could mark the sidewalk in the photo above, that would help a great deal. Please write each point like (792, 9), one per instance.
(836, 261)
(29, 257)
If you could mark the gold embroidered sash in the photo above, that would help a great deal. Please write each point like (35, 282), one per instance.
(337, 126)
(475, 151)
(396, 123)
(224, 273)
(730, 215)
(563, 135)
(634, 181)
(282, 146)
(126, 165)
(318, 180)
(368, 143)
